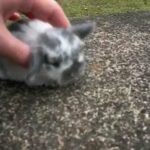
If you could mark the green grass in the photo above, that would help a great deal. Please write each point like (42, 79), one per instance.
(95, 7)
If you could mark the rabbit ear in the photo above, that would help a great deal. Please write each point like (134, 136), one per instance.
(82, 30)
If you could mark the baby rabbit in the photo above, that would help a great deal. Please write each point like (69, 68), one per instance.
(57, 58)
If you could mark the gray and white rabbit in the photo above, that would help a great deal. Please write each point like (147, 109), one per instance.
(57, 56)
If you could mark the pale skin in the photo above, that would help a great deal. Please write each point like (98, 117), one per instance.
(46, 10)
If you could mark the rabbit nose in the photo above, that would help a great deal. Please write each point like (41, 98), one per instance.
(74, 71)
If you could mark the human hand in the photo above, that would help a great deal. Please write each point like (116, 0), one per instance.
(46, 10)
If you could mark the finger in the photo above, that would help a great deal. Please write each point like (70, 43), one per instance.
(50, 11)
(57, 17)
(12, 48)
(15, 16)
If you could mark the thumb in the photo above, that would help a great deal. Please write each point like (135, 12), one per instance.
(12, 48)
(50, 11)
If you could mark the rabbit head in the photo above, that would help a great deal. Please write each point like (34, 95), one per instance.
(57, 53)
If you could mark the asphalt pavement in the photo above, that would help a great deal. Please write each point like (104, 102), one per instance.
(107, 109)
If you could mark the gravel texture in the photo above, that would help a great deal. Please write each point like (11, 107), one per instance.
(108, 109)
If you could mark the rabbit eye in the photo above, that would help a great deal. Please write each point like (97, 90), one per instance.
(46, 60)
(56, 64)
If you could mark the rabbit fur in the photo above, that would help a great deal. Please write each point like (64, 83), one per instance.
(57, 57)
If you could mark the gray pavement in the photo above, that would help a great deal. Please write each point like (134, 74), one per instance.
(108, 109)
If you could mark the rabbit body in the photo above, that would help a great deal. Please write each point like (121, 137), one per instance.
(57, 58)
